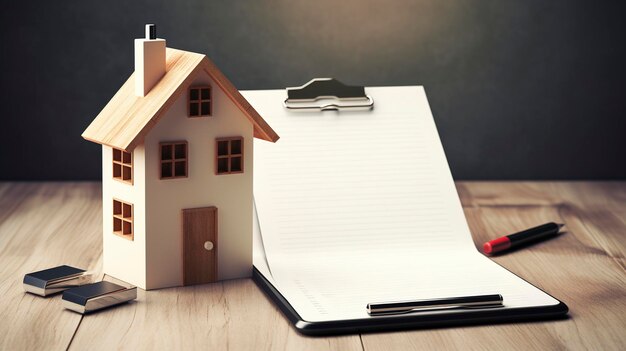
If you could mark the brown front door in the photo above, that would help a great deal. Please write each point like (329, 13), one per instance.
(199, 245)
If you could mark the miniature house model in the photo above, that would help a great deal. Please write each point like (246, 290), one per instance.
(176, 171)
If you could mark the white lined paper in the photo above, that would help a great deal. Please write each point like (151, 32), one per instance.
(360, 207)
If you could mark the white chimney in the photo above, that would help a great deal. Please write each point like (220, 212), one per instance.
(149, 61)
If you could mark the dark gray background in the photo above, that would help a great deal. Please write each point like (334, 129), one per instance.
(519, 89)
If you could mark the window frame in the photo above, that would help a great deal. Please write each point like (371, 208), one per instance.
(125, 217)
(173, 160)
(123, 165)
(199, 101)
(229, 156)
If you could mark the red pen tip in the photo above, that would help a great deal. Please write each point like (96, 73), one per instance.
(496, 245)
(487, 247)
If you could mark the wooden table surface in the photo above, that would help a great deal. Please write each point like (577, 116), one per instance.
(47, 224)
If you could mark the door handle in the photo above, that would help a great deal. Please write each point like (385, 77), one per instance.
(208, 245)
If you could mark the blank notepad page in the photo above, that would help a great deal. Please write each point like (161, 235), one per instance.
(360, 207)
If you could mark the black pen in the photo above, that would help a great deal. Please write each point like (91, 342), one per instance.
(524, 237)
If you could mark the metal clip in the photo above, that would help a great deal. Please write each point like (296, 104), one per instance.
(307, 96)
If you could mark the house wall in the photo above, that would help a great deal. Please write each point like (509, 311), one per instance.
(124, 259)
(231, 194)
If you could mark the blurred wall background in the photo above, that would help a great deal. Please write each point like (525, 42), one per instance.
(519, 89)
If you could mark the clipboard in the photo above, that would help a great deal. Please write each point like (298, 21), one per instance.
(321, 266)
(404, 322)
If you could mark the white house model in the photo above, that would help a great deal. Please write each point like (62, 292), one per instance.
(176, 171)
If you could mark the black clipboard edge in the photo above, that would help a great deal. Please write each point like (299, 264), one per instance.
(403, 322)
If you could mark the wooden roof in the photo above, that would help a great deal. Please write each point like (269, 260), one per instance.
(127, 118)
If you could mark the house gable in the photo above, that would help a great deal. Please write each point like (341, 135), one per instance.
(126, 119)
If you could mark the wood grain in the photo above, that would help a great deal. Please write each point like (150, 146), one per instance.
(47, 224)
(42, 226)
(583, 267)
(231, 315)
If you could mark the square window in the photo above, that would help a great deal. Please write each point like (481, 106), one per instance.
(199, 101)
(123, 166)
(174, 158)
(229, 154)
(123, 219)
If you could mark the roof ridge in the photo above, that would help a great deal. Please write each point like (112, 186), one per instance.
(126, 119)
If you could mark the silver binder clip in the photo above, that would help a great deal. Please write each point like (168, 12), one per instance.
(310, 96)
